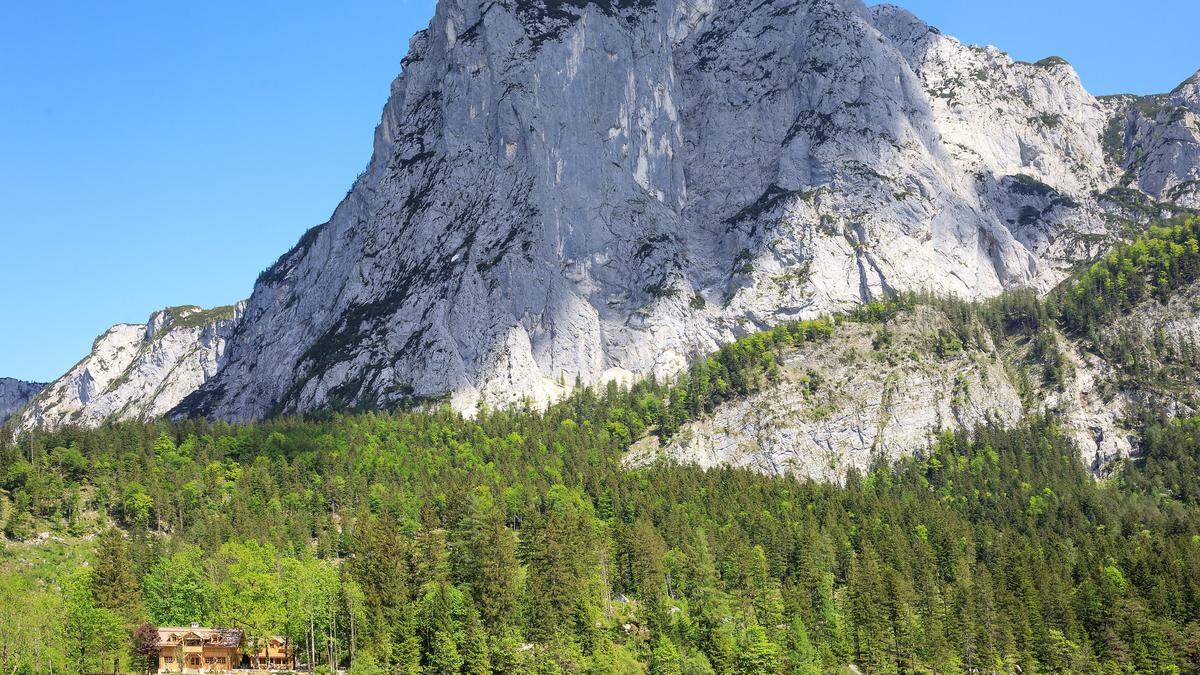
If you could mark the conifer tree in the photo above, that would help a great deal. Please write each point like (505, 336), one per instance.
(484, 558)
(756, 654)
(801, 657)
(377, 564)
(563, 586)
(664, 659)
(475, 651)
(113, 583)
(873, 637)
(444, 658)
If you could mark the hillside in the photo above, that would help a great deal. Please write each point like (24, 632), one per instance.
(518, 542)
(887, 389)
(871, 391)
(528, 541)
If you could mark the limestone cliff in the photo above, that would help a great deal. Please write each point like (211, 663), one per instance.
(136, 371)
(597, 190)
(14, 394)
(875, 391)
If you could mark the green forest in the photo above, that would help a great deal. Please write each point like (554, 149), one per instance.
(518, 541)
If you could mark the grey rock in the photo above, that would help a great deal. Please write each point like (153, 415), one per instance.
(843, 404)
(136, 371)
(599, 191)
(14, 394)
(1156, 139)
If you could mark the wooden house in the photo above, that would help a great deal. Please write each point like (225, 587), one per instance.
(196, 649)
(199, 650)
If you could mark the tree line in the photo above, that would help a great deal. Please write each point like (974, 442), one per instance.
(517, 542)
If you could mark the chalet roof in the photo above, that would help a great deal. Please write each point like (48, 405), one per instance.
(215, 637)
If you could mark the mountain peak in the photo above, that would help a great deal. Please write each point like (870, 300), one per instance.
(1188, 92)
(590, 191)
(137, 371)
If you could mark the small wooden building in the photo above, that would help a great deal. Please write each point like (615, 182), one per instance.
(275, 654)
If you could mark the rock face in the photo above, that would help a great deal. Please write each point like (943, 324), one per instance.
(844, 403)
(1159, 345)
(1157, 141)
(600, 190)
(14, 394)
(136, 371)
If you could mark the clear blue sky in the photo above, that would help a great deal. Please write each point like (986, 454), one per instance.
(163, 153)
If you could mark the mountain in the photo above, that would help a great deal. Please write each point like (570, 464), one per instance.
(919, 563)
(14, 394)
(596, 191)
(136, 371)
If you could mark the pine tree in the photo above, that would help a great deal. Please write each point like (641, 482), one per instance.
(563, 585)
(645, 573)
(873, 637)
(802, 657)
(756, 654)
(763, 590)
(444, 658)
(664, 659)
(701, 572)
(443, 610)
(475, 652)
(484, 558)
(113, 584)
(719, 643)
(837, 645)
(377, 564)
(504, 650)
(406, 642)
(696, 663)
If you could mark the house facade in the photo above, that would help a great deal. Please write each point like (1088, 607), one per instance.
(199, 650)
(275, 654)
(196, 649)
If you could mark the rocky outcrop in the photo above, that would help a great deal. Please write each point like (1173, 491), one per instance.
(14, 394)
(595, 190)
(1093, 413)
(1156, 139)
(874, 393)
(843, 403)
(1151, 362)
(136, 371)
(867, 394)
